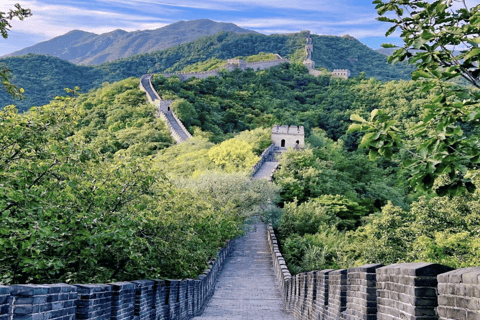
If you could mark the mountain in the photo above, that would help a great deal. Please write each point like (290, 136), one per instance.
(346, 52)
(87, 48)
(44, 77)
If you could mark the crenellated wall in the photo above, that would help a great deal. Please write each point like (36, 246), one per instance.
(175, 126)
(136, 300)
(310, 64)
(267, 155)
(403, 291)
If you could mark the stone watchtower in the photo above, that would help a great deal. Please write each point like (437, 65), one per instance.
(288, 136)
(237, 63)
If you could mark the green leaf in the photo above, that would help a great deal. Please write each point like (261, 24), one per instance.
(390, 31)
(354, 128)
(372, 154)
(367, 139)
(427, 35)
(420, 74)
(472, 53)
(356, 117)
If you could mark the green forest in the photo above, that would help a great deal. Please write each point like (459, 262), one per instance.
(93, 188)
(44, 77)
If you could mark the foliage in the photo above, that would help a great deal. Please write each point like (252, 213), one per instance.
(233, 155)
(44, 77)
(192, 158)
(436, 230)
(117, 118)
(5, 18)
(448, 141)
(259, 138)
(329, 170)
(346, 52)
(207, 65)
(262, 56)
(185, 112)
(319, 251)
(83, 201)
(234, 192)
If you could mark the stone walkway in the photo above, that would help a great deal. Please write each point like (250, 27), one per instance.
(265, 170)
(246, 288)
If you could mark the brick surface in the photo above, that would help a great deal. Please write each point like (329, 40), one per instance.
(246, 287)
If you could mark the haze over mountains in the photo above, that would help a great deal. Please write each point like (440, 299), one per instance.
(88, 48)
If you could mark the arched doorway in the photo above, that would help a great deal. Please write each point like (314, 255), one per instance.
(168, 108)
(282, 144)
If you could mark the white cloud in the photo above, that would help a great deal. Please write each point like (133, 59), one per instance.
(55, 20)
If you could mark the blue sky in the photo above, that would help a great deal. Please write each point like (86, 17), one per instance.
(325, 17)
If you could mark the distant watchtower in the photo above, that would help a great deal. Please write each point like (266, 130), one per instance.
(309, 63)
(237, 63)
(288, 136)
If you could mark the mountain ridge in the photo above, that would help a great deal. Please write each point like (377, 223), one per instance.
(44, 77)
(87, 48)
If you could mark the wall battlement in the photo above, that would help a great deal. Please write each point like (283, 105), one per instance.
(413, 291)
(310, 64)
(135, 300)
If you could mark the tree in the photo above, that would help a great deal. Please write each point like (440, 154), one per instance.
(446, 155)
(5, 18)
(233, 155)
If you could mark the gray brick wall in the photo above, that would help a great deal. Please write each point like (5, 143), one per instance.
(136, 300)
(38, 302)
(123, 300)
(337, 294)
(408, 291)
(321, 302)
(404, 291)
(459, 294)
(5, 303)
(362, 293)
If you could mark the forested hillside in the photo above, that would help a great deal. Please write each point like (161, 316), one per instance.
(85, 196)
(287, 94)
(95, 179)
(45, 77)
(88, 48)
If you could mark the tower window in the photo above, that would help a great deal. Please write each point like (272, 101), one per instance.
(282, 144)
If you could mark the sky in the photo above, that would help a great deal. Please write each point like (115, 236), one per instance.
(53, 18)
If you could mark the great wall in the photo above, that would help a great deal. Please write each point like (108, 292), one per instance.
(255, 282)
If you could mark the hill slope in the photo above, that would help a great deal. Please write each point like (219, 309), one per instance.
(87, 48)
(44, 77)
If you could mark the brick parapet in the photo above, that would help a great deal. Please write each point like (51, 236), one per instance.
(5, 303)
(459, 294)
(408, 291)
(337, 294)
(413, 291)
(362, 292)
(135, 300)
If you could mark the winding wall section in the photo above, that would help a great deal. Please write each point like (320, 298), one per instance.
(176, 127)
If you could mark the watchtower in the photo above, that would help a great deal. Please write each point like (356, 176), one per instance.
(309, 63)
(288, 136)
(342, 73)
(237, 63)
